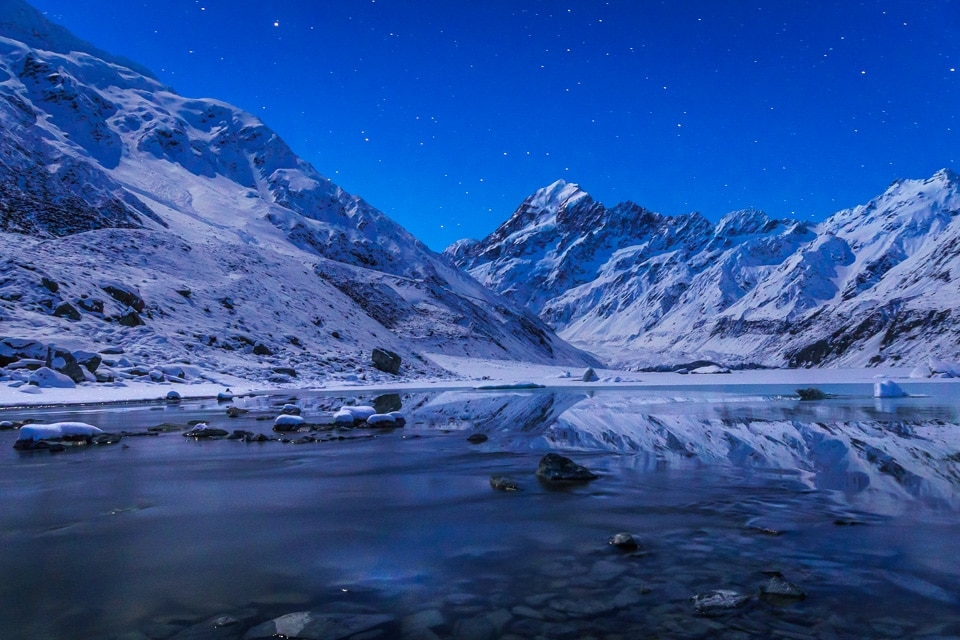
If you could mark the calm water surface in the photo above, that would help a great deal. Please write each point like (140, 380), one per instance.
(855, 501)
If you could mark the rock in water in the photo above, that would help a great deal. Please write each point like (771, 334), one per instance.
(778, 588)
(307, 625)
(386, 361)
(590, 375)
(625, 542)
(500, 483)
(477, 438)
(557, 468)
(811, 393)
(203, 430)
(288, 423)
(716, 602)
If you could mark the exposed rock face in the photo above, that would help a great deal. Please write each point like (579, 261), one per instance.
(875, 283)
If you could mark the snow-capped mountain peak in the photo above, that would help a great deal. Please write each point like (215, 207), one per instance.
(874, 283)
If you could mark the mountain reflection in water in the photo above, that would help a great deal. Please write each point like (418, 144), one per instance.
(853, 500)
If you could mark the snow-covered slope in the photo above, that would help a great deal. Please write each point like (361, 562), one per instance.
(226, 248)
(876, 283)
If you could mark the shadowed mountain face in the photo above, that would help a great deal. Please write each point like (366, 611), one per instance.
(226, 236)
(876, 283)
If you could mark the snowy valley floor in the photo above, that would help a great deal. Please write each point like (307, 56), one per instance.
(466, 373)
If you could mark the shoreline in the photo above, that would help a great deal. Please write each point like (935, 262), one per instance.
(465, 374)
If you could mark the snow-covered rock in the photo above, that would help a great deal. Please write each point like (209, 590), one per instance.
(289, 421)
(47, 378)
(344, 417)
(361, 413)
(58, 431)
(878, 283)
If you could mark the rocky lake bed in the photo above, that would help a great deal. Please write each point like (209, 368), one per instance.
(579, 514)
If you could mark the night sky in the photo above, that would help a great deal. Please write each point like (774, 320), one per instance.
(446, 114)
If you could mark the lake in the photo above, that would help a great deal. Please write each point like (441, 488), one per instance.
(852, 500)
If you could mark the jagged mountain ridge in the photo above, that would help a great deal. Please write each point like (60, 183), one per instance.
(226, 237)
(875, 283)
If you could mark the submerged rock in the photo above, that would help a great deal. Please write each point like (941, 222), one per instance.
(557, 468)
(477, 438)
(204, 430)
(718, 601)
(625, 542)
(779, 589)
(811, 393)
(502, 483)
(236, 412)
(308, 625)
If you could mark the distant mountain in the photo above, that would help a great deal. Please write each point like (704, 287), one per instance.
(876, 283)
(177, 228)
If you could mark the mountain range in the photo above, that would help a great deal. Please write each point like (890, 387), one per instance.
(184, 233)
(172, 229)
(878, 283)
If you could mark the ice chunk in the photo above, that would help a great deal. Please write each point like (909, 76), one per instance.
(888, 389)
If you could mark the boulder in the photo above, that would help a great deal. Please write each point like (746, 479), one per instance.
(718, 601)
(52, 436)
(811, 393)
(559, 469)
(47, 378)
(625, 542)
(66, 363)
(91, 361)
(131, 319)
(477, 438)
(261, 349)
(68, 311)
(288, 423)
(779, 589)
(386, 361)
(125, 295)
(382, 421)
(590, 375)
(502, 483)
(203, 430)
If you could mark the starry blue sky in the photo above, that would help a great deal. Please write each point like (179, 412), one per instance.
(446, 114)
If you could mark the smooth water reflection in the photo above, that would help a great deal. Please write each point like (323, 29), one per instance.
(856, 501)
